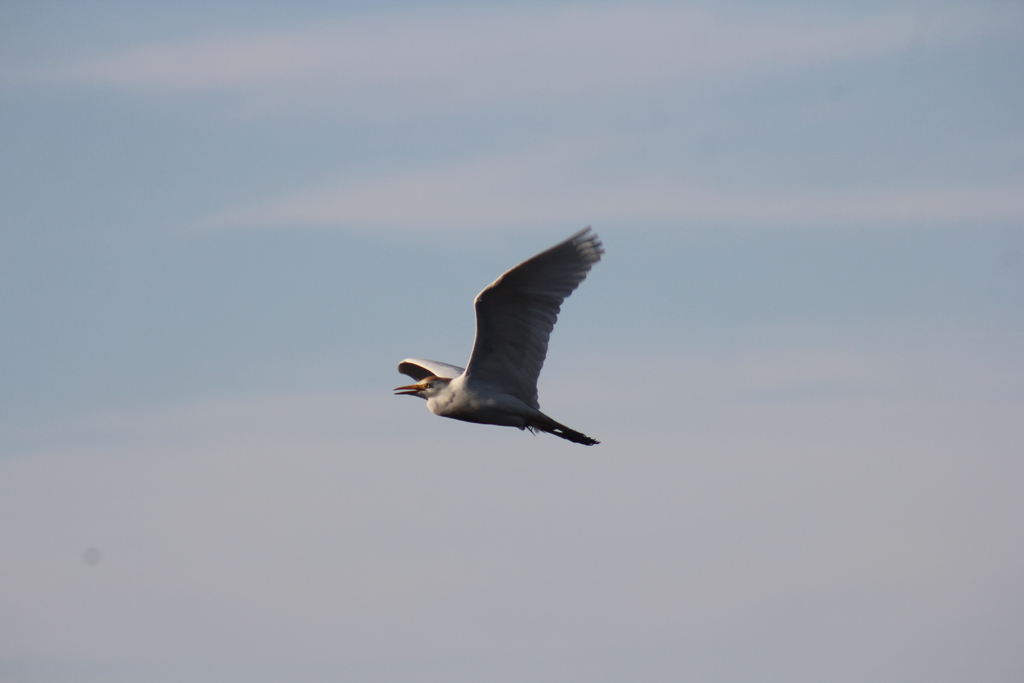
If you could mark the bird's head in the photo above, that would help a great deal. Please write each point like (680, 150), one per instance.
(425, 388)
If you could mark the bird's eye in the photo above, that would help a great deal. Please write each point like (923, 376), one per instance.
(428, 385)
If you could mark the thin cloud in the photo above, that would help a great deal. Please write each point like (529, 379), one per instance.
(570, 183)
(210, 419)
(500, 54)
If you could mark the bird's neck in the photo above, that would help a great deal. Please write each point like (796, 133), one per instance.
(442, 400)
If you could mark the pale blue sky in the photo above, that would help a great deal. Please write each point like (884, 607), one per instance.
(223, 224)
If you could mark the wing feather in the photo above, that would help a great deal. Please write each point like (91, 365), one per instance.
(516, 313)
(419, 369)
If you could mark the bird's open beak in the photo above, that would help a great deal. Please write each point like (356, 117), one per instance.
(410, 390)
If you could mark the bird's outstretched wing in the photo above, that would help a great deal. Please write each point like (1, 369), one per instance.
(419, 369)
(516, 312)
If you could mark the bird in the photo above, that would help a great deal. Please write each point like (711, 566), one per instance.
(514, 318)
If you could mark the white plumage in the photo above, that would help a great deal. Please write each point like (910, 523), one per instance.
(514, 318)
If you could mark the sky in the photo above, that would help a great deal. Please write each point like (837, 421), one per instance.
(222, 225)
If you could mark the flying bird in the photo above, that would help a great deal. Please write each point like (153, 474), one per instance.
(514, 318)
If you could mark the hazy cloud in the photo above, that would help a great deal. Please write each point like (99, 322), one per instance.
(328, 541)
(573, 183)
(465, 57)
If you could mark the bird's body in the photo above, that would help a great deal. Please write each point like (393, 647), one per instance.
(514, 318)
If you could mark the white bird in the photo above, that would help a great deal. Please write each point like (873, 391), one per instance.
(514, 318)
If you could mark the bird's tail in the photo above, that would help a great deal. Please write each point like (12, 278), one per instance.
(551, 427)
